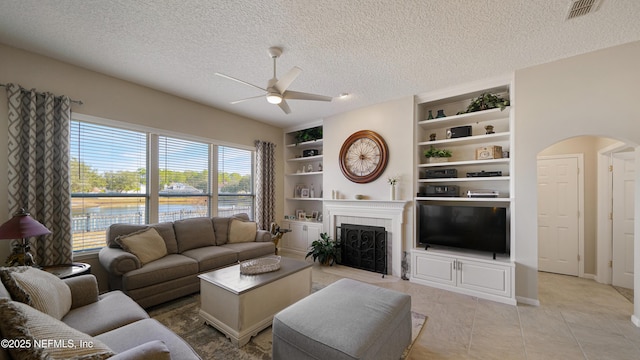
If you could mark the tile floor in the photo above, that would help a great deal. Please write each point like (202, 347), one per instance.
(577, 319)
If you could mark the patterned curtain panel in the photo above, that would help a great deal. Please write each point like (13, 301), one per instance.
(39, 168)
(265, 183)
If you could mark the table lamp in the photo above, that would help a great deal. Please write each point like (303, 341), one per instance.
(21, 226)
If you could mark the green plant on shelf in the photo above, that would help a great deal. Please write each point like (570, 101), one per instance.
(486, 101)
(433, 152)
(310, 134)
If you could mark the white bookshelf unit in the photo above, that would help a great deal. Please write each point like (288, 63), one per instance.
(303, 190)
(465, 271)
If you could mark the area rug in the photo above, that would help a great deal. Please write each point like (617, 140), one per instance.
(181, 316)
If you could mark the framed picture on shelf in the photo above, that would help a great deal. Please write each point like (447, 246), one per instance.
(314, 215)
(298, 213)
(304, 193)
(298, 190)
(302, 215)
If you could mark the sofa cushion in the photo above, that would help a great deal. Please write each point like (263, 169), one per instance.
(151, 350)
(139, 332)
(112, 310)
(165, 230)
(145, 244)
(170, 267)
(212, 257)
(40, 289)
(20, 321)
(221, 226)
(250, 250)
(242, 231)
(194, 233)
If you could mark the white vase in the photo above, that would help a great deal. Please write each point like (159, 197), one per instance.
(392, 192)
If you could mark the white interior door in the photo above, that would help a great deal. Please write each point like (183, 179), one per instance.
(558, 212)
(623, 213)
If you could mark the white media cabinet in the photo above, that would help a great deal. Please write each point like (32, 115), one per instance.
(465, 271)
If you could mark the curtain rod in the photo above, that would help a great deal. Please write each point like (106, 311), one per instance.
(79, 102)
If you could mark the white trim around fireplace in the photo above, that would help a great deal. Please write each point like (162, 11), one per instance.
(372, 209)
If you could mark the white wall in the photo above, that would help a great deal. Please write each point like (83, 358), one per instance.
(591, 94)
(115, 99)
(393, 120)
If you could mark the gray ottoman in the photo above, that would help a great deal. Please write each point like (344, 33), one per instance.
(346, 320)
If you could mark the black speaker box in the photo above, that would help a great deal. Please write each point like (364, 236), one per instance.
(458, 132)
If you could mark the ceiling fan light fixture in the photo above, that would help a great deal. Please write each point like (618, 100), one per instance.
(274, 98)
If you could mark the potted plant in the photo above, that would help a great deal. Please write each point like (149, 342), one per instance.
(310, 134)
(325, 250)
(434, 155)
(486, 101)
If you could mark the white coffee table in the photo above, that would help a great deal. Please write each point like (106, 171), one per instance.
(242, 305)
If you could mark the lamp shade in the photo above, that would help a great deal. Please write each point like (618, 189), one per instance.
(21, 226)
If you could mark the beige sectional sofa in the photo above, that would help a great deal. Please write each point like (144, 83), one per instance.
(193, 246)
(91, 326)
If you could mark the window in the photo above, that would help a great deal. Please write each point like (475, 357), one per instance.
(183, 179)
(235, 181)
(108, 181)
(111, 181)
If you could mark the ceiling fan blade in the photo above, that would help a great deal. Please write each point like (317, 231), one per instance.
(287, 79)
(251, 98)
(240, 81)
(296, 95)
(285, 107)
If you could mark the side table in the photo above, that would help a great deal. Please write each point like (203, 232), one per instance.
(68, 270)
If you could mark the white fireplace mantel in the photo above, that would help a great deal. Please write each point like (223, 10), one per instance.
(376, 209)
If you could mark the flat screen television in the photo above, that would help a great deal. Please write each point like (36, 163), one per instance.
(482, 228)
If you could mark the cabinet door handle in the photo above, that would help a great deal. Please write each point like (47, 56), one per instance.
(304, 228)
(455, 264)
(459, 265)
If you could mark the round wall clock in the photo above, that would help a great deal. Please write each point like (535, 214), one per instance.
(363, 156)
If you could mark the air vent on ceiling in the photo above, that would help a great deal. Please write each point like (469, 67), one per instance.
(582, 7)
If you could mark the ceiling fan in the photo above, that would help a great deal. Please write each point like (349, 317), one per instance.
(276, 91)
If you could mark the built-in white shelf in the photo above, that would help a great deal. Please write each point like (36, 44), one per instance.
(467, 162)
(305, 173)
(476, 139)
(308, 158)
(306, 144)
(475, 199)
(306, 199)
(466, 179)
(465, 119)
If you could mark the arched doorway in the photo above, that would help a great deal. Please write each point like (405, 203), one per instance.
(575, 224)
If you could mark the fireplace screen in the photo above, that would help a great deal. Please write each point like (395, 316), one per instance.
(364, 247)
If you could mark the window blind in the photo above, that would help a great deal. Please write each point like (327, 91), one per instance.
(235, 181)
(108, 181)
(183, 178)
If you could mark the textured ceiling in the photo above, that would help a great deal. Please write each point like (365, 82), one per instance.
(375, 50)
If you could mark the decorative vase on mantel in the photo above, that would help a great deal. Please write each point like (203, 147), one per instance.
(392, 192)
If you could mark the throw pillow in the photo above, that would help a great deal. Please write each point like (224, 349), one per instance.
(194, 233)
(39, 336)
(147, 245)
(242, 231)
(39, 289)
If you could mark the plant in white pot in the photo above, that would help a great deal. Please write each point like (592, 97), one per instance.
(434, 155)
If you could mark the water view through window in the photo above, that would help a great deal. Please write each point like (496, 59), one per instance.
(110, 177)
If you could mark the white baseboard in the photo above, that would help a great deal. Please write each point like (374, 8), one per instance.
(527, 301)
(589, 276)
